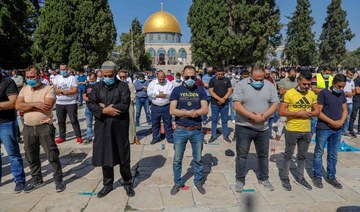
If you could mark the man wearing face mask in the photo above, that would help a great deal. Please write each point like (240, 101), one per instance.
(319, 82)
(350, 92)
(159, 91)
(37, 100)
(255, 100)
(88, 115)
(142, 99)
(298, 105)
(188, 103)
(333, 113)
(109, 101)
(284, 85)
(220, 90)
(178, 81)
(233, 81)
(66, 89)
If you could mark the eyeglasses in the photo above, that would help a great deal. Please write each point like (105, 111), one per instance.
(188, 77)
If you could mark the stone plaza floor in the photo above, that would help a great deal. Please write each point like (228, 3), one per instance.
(153, 179)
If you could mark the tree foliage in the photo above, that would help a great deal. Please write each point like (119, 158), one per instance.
(78, 32)
(233, 31)
(351, 59)
(300, 45)
(16, 28)
(132, 49)
(335, 33)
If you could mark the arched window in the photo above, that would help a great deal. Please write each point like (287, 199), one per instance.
(182, 56)
(172, 56)
(152, 54)
(161, 53)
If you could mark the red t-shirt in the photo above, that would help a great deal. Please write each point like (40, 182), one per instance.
(169, 77)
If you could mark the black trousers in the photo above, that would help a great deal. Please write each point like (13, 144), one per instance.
(108, 175)
(71, 110)
(355, 113)
(43, 135)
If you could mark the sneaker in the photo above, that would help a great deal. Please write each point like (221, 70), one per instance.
(286, 184)
(267, 185)
(317, 182)
(59, 140)
(59, 187)
(227, 139)
(212, 139)
(352, 134)
(79, 140)
(233, 121)
(19, 187)
(200, 188)
(334, 183)
(175, 189)
(154, 142)
(31, 187)
(303, 184)
(239, 186)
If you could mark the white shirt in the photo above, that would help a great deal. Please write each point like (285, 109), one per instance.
(128, 79)
(176, 84)
(44, 81)
(154, 89)
(349, 87)
(66, 83)
(52, 78)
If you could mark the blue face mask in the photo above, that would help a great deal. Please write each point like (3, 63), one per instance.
(190, 83)
(178, 80)
(229, 76)
(32, 83)
(326, 76)
(142, 81)
(336, 91)
(257, 84)
(109, 80)
(63, 73)
(91, 83)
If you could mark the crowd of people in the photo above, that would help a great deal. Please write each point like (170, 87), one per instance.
(302, 105)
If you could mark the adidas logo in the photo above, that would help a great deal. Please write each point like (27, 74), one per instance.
(302, 103)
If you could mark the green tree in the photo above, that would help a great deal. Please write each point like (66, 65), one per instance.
(335, 33)
(78, 32)
(17, 24)
(132, 50)
(351, 59)
(274, 62)
(300, 45)
(235, 31)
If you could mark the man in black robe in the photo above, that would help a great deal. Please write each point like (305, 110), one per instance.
(109, 101)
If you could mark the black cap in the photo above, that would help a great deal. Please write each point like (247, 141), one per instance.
(229, 153)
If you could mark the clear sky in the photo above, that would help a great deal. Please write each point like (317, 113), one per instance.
(126, 10)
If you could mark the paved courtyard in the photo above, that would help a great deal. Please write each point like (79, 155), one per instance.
(153, 179)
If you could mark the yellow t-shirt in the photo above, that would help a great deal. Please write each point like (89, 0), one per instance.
(297, 101)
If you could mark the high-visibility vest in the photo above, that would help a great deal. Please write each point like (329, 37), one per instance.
(320, 81)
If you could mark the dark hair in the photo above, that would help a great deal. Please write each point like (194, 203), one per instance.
(93, 74)
(122, 71)
(324, 68)
(305, 74)
(339, 78)
(219, 69)
(63, 64)
(31, 67)
(351, 70)
(245, 72)
(178, 74)
(141, 75)
(189, 67)
(293, 69)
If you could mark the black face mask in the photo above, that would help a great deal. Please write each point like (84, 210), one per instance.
(292, 79)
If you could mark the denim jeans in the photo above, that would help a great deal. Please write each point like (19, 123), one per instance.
(224, 111)
(231, 108)
(181, 137)
(314, 121)
(332, 138)
(89, 123)
(142, 102)
(346, 124)
(158, 112)
(354, 114)
(8, 139)
(272, 120)
(244, 137)
(81, 91)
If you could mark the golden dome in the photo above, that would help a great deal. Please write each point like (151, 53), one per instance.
(162, 22)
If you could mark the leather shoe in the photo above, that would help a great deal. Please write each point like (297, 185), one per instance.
(129, 191)
(154, 142)
(104, 191)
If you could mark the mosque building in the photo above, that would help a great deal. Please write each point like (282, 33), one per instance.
(163, 42)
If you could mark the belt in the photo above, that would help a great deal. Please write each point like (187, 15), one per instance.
(160, 105)
(35, 126)
(189, 128)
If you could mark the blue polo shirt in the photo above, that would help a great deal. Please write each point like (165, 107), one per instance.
(188, 99)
